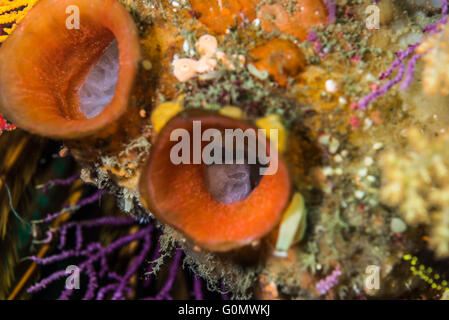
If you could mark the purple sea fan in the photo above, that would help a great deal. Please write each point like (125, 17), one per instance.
(404, 72)
(332, 11)
(93, 254)
(93, 259)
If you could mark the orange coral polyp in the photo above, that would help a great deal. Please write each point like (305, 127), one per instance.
(281, 58)
(304, 15)
(219, 15)
(178, 195)
(44, 63)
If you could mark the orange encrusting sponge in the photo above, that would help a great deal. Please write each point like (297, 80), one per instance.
(43, 63)
(281, 58)
(219, 15)
(293, 19)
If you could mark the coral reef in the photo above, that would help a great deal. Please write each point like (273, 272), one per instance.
(357, 187)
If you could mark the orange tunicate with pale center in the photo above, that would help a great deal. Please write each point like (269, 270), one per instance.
(219, 15)
(47, 59)
(297, 21)
(179, 195)
(280, 58)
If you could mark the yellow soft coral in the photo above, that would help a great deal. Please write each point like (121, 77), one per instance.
(232, 112)
(164, 112)
(427, 274)
(12, 12)
(292, 226)
(273, 121)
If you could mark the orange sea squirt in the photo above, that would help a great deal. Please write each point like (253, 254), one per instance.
(219, 15)
(44, 63)
(178, 195)
(304, 15)
(280, 58)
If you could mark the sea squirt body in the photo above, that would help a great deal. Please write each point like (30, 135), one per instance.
(44, 66)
